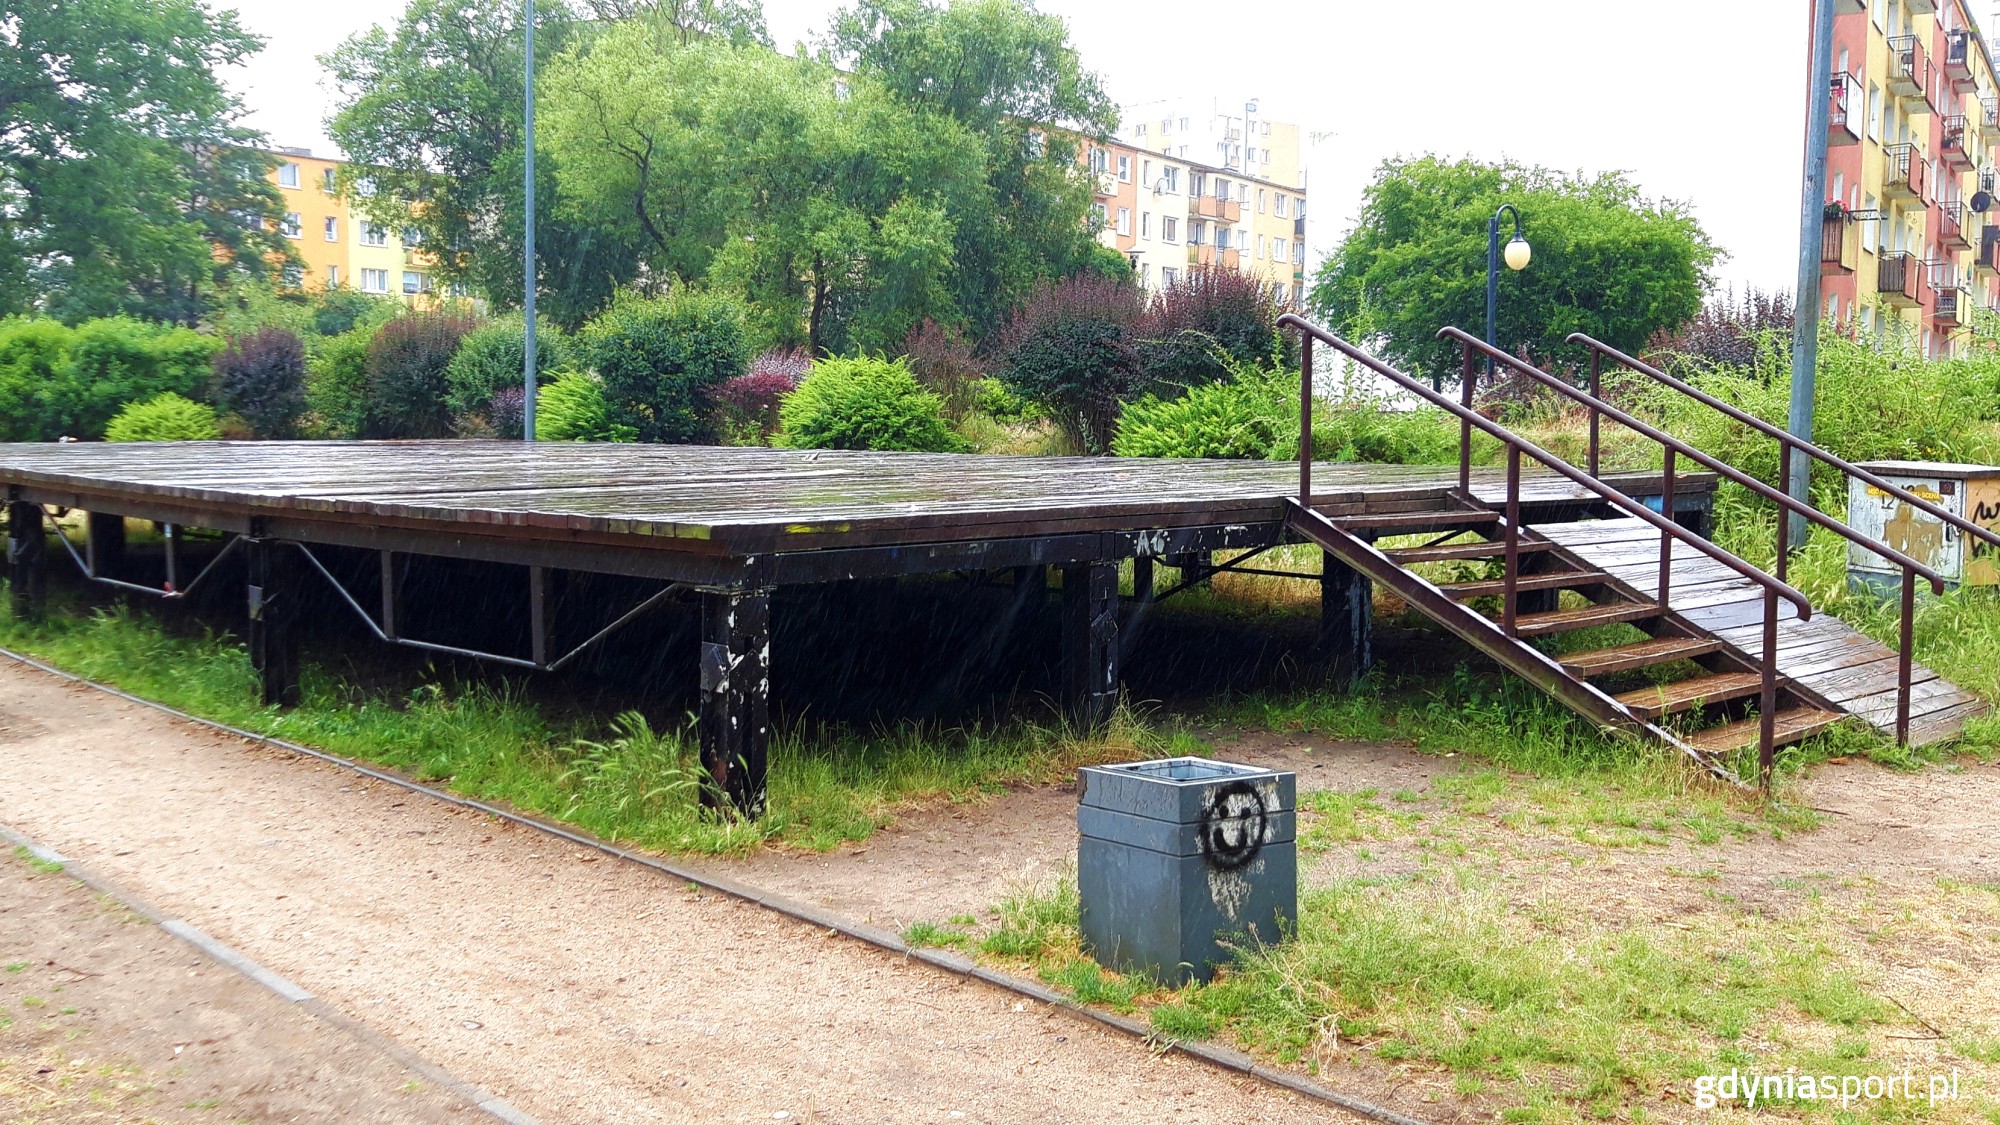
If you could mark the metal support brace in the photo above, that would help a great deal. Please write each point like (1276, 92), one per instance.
(1347, 619)
(735, 724)
(274, 642)
(25, 546)
(1090, 642)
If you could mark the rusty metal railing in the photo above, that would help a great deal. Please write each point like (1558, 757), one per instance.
(1775, 589)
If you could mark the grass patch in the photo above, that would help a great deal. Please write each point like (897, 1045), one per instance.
(627, 780)
(44, 866)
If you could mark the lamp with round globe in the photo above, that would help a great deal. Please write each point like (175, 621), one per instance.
(1517, 256)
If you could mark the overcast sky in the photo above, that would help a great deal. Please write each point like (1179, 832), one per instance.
(1700, 101)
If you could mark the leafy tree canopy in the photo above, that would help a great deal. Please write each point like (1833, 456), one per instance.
(1607, 261)
(122, 160)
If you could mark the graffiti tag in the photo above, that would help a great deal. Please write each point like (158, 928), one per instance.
(1233, 825)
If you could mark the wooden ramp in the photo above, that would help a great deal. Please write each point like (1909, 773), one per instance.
(1825, 658)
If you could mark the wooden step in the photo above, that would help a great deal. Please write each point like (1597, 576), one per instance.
(1695, 691)
(1488, 587)
(1570, 620)
(1639, 654)
(1416, 523)
(1791, 726)
(1457, 552)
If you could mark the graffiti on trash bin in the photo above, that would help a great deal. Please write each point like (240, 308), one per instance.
(1233, 825)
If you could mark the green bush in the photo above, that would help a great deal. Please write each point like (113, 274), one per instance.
(658, 357)
(406, 375)
(1255, 415)
(1073, 350)
(337, 386)
(572, 408)
(34, 356)
(865, 404)
(492, 356)
(118, 360)
(164, 417)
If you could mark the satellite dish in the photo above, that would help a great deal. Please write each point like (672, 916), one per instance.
(1981, 200)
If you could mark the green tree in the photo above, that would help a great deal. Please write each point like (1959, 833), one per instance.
(1009, 76)
(1607, 261)
(122, 160)
(433, 107)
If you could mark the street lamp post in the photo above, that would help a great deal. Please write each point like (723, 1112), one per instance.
(528, 232)
(1517, 255)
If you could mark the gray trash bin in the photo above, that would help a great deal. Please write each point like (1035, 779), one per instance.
(1177, 855)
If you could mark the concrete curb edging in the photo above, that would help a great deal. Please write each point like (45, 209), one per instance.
(956, 964)
(231, 958)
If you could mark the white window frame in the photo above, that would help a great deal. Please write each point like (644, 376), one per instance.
(1124, 168)
(1125, 221)
(290, 226)
(415, 283)
(379, 277)
(374, 234)
(288, 175)
(333, 277)
(1169, 229)
(331, 226)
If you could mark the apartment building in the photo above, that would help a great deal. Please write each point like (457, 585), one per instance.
(1166, 214)
(1229, 135)
(340, 246)
(1910, 238)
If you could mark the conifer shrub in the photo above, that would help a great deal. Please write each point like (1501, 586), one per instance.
(164, 417)
(864, 403)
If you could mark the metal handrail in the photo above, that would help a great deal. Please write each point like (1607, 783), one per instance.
(1517, 446)
(1786, 444)
(1817, 453)
(1676, 446)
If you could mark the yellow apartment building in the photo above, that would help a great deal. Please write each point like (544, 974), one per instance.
(339, 246)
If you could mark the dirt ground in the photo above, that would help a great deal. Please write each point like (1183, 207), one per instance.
(579, 989)
(106, 1017)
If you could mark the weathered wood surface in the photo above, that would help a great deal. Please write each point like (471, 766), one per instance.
(1825, 655)
(740, 499)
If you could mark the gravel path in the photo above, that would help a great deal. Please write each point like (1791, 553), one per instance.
(577, 988)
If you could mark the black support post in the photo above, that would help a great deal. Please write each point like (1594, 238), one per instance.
(104, 544)
(1090, 642)
(1347, 619)
(735, 698)
(274, 641)
(26, 542)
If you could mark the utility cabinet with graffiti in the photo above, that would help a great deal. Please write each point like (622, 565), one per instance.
(1181, 858)
(1968, 491)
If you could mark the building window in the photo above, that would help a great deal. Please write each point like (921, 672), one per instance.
(374, 234)
(332, 226)
(1100, 161)
(459, 289)
(1279, 251)
(1264, 246)
(1221, 189)
(1038, 145)
(414, 282)
(1298, 253)
(1278, 206)
(294, 275)
(1197, 230)
(1124, 220)
(412, 236)
(364, 186)
(1146, 171)
(288, 175)
(1124, 169)
(1298, 294)
(1169, 275)
(290, 226)
(333, 277)
(1260, 201)
(1874, 112)
(1171, 177)
(374, 281)
(1183, 124)
(1139, 130)
(1166, 124)
(1170, 229)
(1869, 228)
(1145, 224)
(328, 181)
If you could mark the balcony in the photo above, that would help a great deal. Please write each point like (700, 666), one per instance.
(1903, 174)
(1843, 119)
(1923, 7)
(1225, 258)
(1910, 73)
(1299, 227)
(1958, 52)
(1989, 111)
(1209, 207)
(1955, 145)
(1836, 245)
(1896, 280)
(1951, 225)
(1954, 300)
(1986, 262)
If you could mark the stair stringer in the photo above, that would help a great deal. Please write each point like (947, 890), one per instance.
(1483, 633)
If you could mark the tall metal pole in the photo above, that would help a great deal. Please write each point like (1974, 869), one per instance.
(528, 241)
(1492, 286)
(1812, 204)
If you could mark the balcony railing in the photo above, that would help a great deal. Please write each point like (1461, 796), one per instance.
(1896, 279)
(1904, 175)
(1836, 245)
(1989, 108)
(1951, 225)
(1209, 207)
(1910, 73)
(1954, 302)
(1954, 144)
(1225, 257)
(1843, 119)
(1986, 260)
(1958, 52)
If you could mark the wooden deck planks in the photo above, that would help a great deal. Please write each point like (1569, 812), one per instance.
(1824, 655)
(751, 499)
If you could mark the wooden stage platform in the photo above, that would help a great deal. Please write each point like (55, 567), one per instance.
(726, 524)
